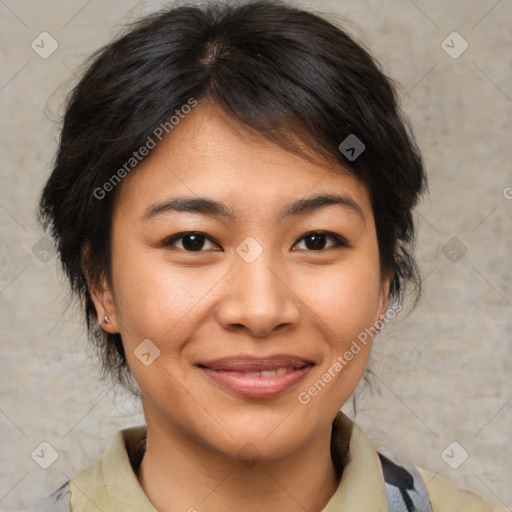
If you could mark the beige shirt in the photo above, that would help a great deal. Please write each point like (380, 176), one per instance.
(111, 484)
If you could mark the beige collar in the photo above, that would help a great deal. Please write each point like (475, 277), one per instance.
(111, 483)
(361, 486)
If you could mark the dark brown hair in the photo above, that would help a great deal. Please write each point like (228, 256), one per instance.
(287, 73)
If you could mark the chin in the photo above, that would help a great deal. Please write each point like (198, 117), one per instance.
(251, 450)
(260, 437)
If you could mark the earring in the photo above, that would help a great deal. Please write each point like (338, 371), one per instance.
(106, 320)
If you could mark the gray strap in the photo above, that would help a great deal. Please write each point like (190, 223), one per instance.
(58, 501)
(405, 488)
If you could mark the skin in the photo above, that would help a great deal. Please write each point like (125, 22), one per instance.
(196, 306)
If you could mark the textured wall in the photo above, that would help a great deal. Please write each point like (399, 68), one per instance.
(441, 375)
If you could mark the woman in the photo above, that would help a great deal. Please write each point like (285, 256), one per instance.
(232, 201)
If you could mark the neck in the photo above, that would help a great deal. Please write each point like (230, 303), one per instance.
(177, 473)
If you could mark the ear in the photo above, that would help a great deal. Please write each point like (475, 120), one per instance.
(105, 306)
(385, 286)
(101, 295)
(385, 283)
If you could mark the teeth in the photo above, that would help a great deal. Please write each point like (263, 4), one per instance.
(268, 373)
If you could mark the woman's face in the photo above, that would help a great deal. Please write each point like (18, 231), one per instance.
(257, 289)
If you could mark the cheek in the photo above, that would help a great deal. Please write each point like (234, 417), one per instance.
(346, 300)
(344, 305)
(154, 299)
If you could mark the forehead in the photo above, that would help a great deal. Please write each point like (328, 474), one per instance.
(208, 153)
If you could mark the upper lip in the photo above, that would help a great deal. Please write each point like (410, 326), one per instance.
(247, 363)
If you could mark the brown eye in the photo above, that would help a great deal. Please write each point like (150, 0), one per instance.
(316, 241)
(190, 241)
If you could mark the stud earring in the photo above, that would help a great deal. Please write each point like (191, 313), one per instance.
(106, 320)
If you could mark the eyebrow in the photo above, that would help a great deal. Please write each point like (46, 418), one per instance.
(210, 207)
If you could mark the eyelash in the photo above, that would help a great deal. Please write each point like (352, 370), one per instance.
(339, 241)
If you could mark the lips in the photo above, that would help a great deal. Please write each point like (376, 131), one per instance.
(252, 377)
(252, 364)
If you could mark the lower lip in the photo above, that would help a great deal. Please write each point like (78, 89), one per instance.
(256, 386)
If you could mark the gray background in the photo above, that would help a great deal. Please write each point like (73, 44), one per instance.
(442, 374)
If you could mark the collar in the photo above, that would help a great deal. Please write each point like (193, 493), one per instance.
(362, 485)
(111, 483)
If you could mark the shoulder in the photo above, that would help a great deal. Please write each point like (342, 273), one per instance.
(111, 483)
(445, 496)
(88, 489)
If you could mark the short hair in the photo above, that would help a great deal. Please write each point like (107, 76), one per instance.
(289, 74)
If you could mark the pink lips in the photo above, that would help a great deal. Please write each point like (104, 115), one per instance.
(257, 378)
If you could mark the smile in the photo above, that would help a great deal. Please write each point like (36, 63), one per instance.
(257, 378)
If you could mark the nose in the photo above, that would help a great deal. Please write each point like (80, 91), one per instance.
(258, 297)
